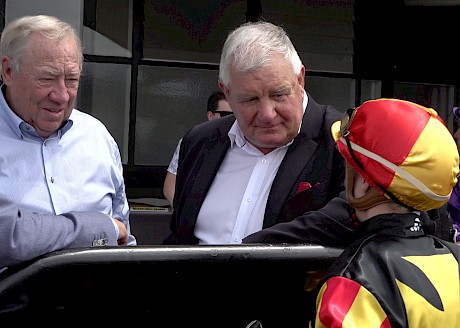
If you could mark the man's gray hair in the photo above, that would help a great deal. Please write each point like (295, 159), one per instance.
(252, 46)
(16, 35)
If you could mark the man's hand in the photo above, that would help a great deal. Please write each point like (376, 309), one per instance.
(123, 233)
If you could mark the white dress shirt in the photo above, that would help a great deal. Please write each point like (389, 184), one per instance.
(234, 206)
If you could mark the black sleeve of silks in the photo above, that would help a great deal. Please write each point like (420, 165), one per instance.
(329, 226)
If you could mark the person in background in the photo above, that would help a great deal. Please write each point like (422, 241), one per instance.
(453, 206)
(393, 274)
(26, 235)
(217, 107)
(270, 161)
(54, 159)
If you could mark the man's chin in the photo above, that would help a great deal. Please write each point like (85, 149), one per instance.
(48, 130)
(267, 146)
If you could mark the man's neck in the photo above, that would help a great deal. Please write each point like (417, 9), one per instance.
(384, 208)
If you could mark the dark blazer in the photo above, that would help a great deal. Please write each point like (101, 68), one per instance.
(312, 159)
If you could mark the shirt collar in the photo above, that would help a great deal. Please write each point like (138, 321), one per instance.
(305, 103)
(237, 137)
(21, 127)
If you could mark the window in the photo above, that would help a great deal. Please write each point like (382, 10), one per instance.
(150, 65)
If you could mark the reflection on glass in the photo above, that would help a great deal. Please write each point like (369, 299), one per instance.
(370, 89)
(439, 97)
(170, 101)
(105, 93)
(191, 31)
(337, 92)
(107, 27)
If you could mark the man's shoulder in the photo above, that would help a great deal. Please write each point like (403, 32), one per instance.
(85, 120)
(212, 129)
(329, 112)
(318, 119)
(80, 116)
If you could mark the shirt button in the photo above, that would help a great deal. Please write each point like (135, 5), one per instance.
(249, 199)
(264, 160)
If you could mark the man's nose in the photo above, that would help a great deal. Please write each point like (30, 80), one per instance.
(60, 92)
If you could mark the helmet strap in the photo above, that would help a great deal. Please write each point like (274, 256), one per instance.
(370, 199)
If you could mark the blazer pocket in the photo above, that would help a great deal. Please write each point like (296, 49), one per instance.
(310, 199)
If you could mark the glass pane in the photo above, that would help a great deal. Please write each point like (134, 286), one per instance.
(169, 102)
(439, 97)
(192, 31)
(370, 89)
(107, 29)
(67, 10)
(321, 31)
(104, 93)
(337, 92)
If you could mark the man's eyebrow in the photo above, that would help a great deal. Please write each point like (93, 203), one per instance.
(282, 89)
(246, 96)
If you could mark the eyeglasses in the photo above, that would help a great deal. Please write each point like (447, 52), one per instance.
(346, 121)
(345, 124)
(222, 113)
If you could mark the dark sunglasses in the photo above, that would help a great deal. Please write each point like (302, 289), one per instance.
(345, 124)
(346, 121)
(222, 113)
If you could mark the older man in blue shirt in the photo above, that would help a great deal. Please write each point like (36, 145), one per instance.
(54, 158)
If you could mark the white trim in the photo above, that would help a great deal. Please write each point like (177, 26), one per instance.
(407, 176)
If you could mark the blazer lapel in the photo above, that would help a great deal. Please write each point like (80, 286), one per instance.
(295, 162)
(286, 181)
(214, 154)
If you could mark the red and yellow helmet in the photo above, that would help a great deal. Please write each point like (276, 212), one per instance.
(401, 149)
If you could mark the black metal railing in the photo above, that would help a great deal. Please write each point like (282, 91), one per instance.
(180, 286)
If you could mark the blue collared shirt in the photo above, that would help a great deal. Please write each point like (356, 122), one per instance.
(78, 168)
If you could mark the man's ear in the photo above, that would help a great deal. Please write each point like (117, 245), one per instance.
(224, 89)
(7, 72)
(301, 77)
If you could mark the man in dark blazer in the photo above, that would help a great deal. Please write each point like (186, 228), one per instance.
(308, 173)
(311, 162)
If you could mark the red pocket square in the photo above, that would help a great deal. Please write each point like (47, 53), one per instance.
(304, 186)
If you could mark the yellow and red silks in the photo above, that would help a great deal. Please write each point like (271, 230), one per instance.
(404, 148)
(345, 303)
